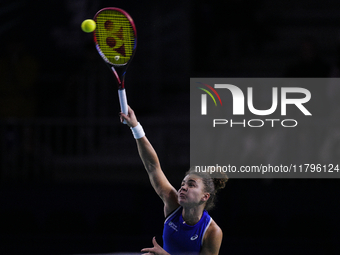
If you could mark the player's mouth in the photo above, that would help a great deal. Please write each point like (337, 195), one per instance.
(181, 195)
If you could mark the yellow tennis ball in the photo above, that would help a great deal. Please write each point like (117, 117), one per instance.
(88, 25)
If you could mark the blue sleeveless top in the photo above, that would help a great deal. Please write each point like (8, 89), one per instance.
(180, 238)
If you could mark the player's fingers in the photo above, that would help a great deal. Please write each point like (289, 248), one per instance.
(147, 250)
(121, 118)
(154, 242)
(130, 111)
(124, 116)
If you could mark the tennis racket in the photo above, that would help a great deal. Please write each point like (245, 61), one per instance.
(116, 40)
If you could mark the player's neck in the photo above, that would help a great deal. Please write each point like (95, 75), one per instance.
(192, 215)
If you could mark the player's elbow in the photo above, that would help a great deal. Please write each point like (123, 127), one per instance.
(151, 167)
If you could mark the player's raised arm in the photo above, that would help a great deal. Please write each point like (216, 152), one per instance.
(151, 163)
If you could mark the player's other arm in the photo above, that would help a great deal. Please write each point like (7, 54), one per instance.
(152, 165)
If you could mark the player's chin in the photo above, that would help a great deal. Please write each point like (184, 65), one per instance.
(182, 201)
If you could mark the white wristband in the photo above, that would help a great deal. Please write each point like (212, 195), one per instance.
(138, 131)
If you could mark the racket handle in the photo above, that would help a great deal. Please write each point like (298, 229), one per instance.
(123, 102)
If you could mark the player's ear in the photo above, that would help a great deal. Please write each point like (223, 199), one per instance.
(205, 197)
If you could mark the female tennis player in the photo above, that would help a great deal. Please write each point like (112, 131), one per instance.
(188, 228)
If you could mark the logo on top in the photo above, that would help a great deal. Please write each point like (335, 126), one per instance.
(116, 39)
(194, 237)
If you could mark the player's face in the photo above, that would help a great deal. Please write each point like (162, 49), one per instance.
(192, 192)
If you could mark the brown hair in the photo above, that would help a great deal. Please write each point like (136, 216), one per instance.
(211, 185)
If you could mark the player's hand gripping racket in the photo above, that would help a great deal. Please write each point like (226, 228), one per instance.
(116, 40)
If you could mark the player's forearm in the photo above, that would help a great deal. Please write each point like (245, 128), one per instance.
(145, 149)
(147, 154)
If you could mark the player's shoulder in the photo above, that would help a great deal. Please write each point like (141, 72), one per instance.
(212, 239)
(213, 231)
(170, 203)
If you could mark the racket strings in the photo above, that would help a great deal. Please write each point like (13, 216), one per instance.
(115, 37)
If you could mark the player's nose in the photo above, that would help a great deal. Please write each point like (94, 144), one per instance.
(183, 188)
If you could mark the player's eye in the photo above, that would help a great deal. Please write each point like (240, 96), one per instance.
(191, 184)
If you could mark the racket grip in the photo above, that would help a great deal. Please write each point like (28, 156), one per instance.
(123, 102)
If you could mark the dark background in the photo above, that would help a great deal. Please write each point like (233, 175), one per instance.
(71, 178)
